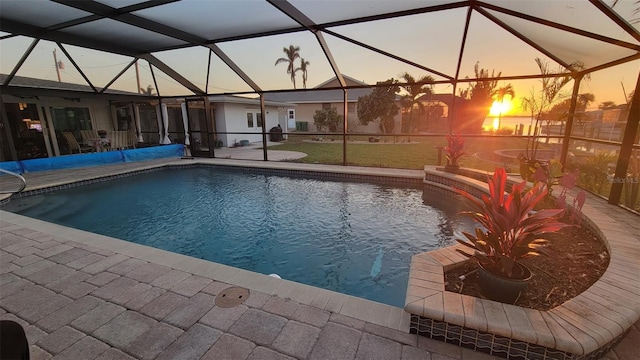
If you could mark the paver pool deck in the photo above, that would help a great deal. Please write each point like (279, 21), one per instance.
(81, 295)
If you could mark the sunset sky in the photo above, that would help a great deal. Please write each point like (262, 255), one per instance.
(431, 39)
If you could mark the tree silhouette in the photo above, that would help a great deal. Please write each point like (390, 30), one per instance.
(500, 94)
(148, 91)
(607, 105)
(480, 95)
(327, 118)
(636, 11)
(292, 53)
(380, 105)
(531, 103)
(551, 86)
(415, 89)
(303, 68)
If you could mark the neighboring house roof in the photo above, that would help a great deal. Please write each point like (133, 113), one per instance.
(333, 82)
(23, 81)
(318, 96)
(244, 100)
(445, 98)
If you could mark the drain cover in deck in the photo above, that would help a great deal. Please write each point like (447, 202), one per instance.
(231, 297)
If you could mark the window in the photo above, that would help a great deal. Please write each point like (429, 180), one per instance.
(351, 107)
(250, 120)
(259, 119)
(326, 106)
(292, 114)
(71, 119)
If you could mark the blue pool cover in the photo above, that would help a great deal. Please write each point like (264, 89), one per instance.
(93, 159)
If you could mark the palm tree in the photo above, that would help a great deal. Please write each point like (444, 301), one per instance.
(500, 94)
(293, 53)
(582, 102)
(303, 68)
(636, 11)
(415, 89)
(148, 91)
(531, 104)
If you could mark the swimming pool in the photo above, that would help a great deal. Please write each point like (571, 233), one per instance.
(352, 237)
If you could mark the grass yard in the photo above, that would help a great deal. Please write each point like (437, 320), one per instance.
(402, 155)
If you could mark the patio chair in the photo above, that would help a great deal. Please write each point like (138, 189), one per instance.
(74, 146)
(119, 140)
(132, 139)
(89, 134)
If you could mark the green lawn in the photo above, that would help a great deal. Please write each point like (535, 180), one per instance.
(402, 155)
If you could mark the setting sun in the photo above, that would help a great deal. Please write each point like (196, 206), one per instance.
(500, 108)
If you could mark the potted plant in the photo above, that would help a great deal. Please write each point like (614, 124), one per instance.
(508, 234)
(454, 151)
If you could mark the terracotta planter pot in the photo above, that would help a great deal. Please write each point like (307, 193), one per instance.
(503, 289)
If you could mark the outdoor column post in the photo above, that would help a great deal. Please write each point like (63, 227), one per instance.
(569, 126)
(136, 114)
(185, 123)
(159, 120)
(7, 129)
(211, 135)
(165, 124)
(626, 148)
(263, 113)
(345, 128)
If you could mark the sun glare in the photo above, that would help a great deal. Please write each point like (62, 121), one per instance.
(500, 108)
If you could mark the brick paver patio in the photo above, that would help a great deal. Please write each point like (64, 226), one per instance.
(79, 296)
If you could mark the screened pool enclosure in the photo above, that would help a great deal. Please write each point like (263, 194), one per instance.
(373, 83)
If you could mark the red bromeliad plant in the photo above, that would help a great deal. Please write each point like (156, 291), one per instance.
(510, 228)
(454, 149)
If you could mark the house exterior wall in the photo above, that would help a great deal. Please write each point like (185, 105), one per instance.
(232, 117)
(305, 112)
(99, 112)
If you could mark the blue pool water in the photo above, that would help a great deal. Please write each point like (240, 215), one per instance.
(351, 237)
